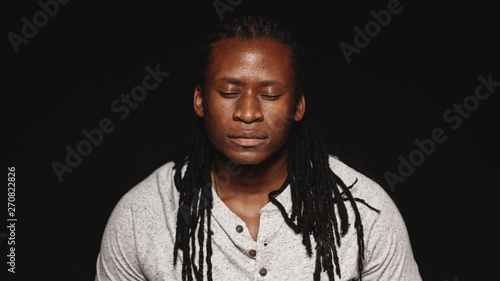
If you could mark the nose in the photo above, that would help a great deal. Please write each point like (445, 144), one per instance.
(248, 109)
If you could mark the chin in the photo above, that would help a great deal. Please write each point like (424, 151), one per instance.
(248, 158)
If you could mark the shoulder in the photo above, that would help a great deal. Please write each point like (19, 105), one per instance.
(140, 225)
(157, 188)
(365, 189)
(147, 201)
(379, 214)
(388, 249)
(360, 184)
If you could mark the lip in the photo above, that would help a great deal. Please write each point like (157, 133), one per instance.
(247, 137)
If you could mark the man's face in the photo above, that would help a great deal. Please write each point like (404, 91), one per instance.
(248, 102)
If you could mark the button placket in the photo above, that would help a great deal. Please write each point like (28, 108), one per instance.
(268, 229)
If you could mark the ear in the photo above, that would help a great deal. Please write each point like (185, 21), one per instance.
(300, 108)
(198, 101)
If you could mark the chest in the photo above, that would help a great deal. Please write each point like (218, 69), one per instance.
(277, 252)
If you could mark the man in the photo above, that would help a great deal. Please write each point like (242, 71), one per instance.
(256, 195)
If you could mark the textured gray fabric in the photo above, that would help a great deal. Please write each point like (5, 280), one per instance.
(138, 241)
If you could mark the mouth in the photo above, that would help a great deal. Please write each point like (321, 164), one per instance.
(247, 137)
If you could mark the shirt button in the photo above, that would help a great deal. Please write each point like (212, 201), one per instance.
(239, 228)
(252, 253)
(263, 272)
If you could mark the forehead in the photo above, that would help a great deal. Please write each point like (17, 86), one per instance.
(236, 44)
(251, 58)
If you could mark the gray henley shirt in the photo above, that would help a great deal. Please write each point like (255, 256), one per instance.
(138, 241)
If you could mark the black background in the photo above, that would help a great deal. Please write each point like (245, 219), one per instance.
(395, 91)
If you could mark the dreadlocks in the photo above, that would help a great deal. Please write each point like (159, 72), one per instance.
(309, 175)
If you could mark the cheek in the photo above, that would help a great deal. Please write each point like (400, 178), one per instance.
(216, 120)
(281, 122)
(218, 115)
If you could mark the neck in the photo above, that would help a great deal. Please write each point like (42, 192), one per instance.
(237, 180)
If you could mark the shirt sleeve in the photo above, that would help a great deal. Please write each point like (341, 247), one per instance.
(117, 259)
(389, 253)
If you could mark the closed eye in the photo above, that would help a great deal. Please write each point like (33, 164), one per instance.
(270, 97)
(228, 94)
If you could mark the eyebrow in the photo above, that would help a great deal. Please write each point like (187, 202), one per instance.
(239, 82)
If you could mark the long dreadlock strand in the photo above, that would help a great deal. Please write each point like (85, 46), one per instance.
(195, 204)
